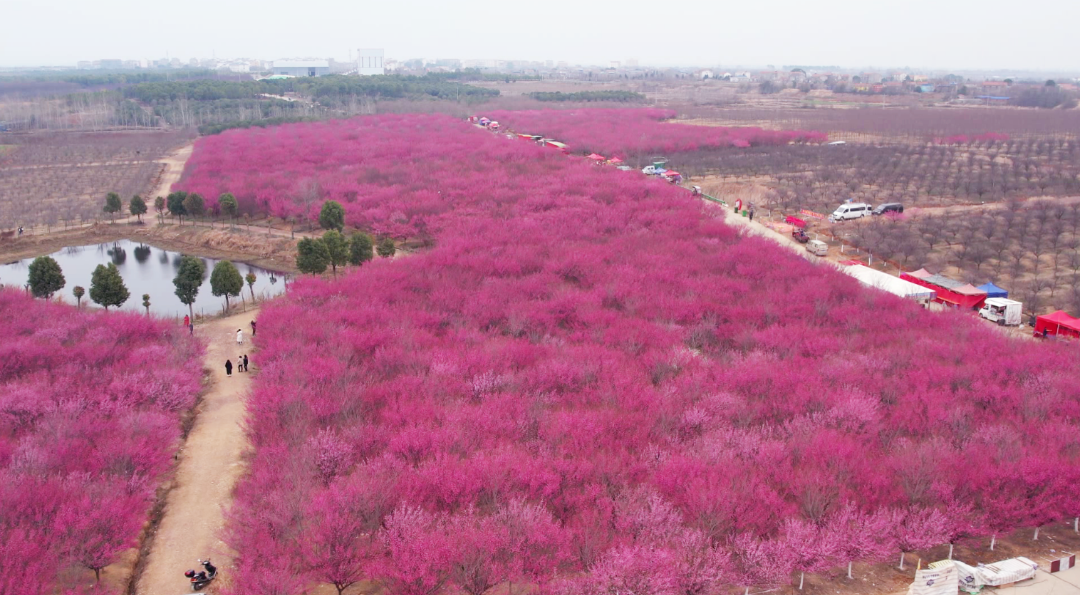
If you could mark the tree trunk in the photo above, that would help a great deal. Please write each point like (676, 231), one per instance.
(97, 575)
(993, 538)
(1076, 525)
(802, 576)
(1036, 538)
(901, 560)
(191, 311)
(849, 568)
(950, 551)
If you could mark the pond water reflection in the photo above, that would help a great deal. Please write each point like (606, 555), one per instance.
(145, 269)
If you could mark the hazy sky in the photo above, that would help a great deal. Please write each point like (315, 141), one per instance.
(950, 34)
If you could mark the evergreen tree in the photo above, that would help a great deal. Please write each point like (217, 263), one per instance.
(46, 278)
(228, 204)
(112, 204)
(337, 248)
(226, 281)
(386, 248)
(360, 248)
(137, 206)
(78, 292)
(175, 204)
(189, 277)
(107, 286)
(332, 215)
(312, 256)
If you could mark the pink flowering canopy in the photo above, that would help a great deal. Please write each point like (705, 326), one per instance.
(589, 382)
(89, 420)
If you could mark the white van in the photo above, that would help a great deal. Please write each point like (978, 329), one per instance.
(851, 210)
(817, 247)
(1002, 311)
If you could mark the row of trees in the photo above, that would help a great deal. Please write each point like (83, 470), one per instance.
(107, 286)
(333, 249)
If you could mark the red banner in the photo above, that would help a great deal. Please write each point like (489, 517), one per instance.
(813, 214)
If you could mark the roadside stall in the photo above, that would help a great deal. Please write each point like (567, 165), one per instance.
(1057, 324)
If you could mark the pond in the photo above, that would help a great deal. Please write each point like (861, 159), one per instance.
(145, 269)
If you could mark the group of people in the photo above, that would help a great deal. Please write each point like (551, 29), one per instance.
(241, 364)
(241, 360)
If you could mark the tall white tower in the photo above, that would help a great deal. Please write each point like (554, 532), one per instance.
(369, 61)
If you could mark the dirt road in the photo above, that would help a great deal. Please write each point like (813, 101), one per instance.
(208, 468)
(174, 167)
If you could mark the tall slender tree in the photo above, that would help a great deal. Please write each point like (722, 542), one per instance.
(189, 278)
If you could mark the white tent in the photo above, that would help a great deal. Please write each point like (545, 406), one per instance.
(886, 282)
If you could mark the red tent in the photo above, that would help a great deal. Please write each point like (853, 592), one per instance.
(596, 157)
(671, 173)
(949, 291)
(1058, 323)
(614, 160)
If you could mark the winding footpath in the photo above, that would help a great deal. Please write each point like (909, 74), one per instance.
(207, 470)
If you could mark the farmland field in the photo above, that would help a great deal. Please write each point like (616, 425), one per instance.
(590, 383)
(54, 178)
(90, 416)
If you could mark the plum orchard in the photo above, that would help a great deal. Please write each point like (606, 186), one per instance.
(1032, 248)
(89, 420)
(591, 384)
(928, 174)
(62, 178)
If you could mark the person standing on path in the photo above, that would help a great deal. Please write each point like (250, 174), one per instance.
(228, 367)
(252, 328)
(751, 211)
(239, 336)
(245, 362)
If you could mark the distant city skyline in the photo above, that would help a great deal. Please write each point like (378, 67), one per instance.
(928, 35)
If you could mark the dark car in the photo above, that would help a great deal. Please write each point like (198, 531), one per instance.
(889, 207)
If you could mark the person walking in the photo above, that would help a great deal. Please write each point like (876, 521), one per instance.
(187, 320)
(228, 367)
(245, 362)
(252, 328)
(239, 336)
(751, 212)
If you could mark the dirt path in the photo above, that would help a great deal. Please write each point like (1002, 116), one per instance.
(209, 465)
(174, 167)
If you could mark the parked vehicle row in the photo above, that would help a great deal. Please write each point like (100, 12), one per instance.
(855, 210)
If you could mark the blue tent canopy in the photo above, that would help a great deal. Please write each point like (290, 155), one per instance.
(994, 291)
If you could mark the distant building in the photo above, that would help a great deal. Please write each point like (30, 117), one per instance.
(370, 62)
(112, 64)
(302, 67)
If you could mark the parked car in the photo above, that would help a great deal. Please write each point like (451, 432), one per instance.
(817, 247)
(851, 210)
(889, 207)
(649, 170)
